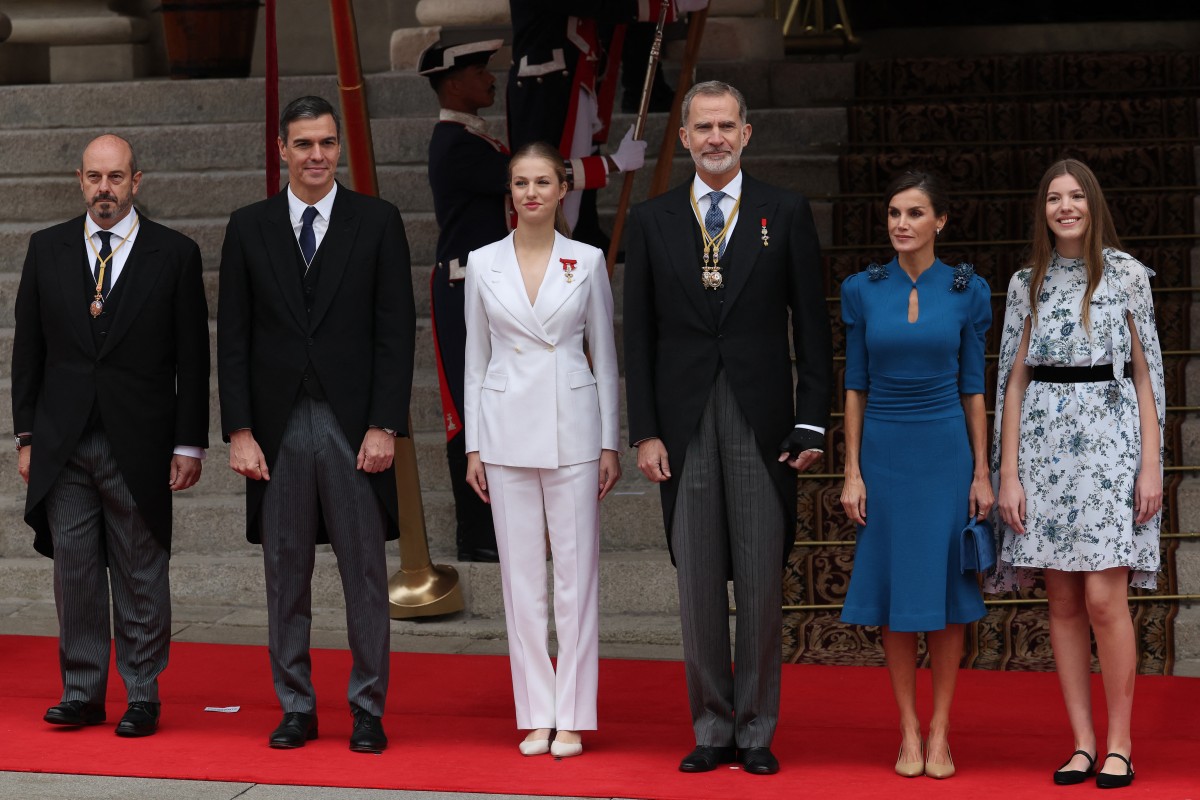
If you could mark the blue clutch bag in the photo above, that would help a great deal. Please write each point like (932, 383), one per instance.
(977, 547)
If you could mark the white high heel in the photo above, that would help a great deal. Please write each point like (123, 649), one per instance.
(536, 747)
(565, 749)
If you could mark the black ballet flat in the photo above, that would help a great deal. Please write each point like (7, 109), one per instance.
(1105, 780)
(1070, 777)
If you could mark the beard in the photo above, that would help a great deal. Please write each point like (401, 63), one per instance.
(717, 163)
(116, 207)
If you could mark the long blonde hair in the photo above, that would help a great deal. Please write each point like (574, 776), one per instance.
(549, 153)
(1100, 233)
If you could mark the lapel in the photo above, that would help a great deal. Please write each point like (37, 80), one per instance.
(138, 277)
(69, 260)
(676, 227)
(555, 289)
(503, 279)
(746, 243)
(335, 249)
(279, 240)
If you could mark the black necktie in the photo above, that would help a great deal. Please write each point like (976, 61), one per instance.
(308, 237)
(104, 257)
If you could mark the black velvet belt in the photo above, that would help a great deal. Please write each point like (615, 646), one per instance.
(1097, 374)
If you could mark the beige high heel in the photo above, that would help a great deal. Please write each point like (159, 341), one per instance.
(565, 749)
(909, 769)
(941, 771)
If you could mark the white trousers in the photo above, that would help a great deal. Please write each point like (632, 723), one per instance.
(525, 503)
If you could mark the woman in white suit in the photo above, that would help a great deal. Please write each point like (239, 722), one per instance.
(542, 438)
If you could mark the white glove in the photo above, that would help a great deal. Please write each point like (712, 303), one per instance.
(631, 153)
(684, 6)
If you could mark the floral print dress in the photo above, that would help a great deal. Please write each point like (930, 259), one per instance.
(1080, 443)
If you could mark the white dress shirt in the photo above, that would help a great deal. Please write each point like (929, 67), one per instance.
(324, 208)
(733, 191)
(127, 230)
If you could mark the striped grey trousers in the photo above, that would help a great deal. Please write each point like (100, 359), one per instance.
(93, 519)
(313, 479)
(728, 521)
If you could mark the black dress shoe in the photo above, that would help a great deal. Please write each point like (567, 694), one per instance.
(295, 729)
(758, 761)
(1070, 777)
(1105, 780)
(75, 712)
(141, 719)
(483, 555)
(706, 759)
(367, 736)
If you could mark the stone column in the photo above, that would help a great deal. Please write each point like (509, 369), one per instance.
(79, 40)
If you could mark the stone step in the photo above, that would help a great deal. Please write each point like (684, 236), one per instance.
(154, 102)
(621, 635)
(397, 140)
(630, 583)
(210, 517)
(816, 173)
(165, 196)
(212, 101)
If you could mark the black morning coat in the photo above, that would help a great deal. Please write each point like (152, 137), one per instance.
(359, 336)
(675, 344)
(149, 378)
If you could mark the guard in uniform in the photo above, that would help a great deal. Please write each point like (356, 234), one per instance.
(468, 172)
(561, 90)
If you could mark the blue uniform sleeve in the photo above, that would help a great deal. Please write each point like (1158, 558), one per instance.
(971, 351)
(856, 335)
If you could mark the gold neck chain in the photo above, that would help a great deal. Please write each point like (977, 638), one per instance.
(97, 305)
(710, 275)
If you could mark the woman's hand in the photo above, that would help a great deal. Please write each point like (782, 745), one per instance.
(854, 499)
(476, 477)
(610, 471)
(1147, 495)
(1012, 504)
(982, 499)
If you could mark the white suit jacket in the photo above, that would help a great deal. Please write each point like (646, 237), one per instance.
(530, 398)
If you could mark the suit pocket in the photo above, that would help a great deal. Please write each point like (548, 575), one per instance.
(581, 378)
(496, 381)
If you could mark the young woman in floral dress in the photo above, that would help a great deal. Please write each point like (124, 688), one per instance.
(1078, 452)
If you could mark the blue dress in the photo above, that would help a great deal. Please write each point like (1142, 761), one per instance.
(916, 456)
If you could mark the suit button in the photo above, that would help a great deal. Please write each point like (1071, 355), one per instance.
(310, 341)
(550, 349)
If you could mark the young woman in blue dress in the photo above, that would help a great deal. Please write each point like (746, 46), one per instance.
(916, 440)
(1078, 452)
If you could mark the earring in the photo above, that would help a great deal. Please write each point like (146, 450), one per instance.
(939, 232)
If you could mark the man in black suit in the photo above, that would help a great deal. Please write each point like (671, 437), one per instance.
(315, 358)
(110, 382)
(714, 268)
(468, 173)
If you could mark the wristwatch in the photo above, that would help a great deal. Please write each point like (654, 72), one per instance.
(389, 431)
(23, 440)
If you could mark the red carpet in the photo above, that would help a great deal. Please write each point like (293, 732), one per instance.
(451, 727)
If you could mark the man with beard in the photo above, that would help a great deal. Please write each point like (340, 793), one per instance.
(714, 268)
(468, 173)
(110, 404)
